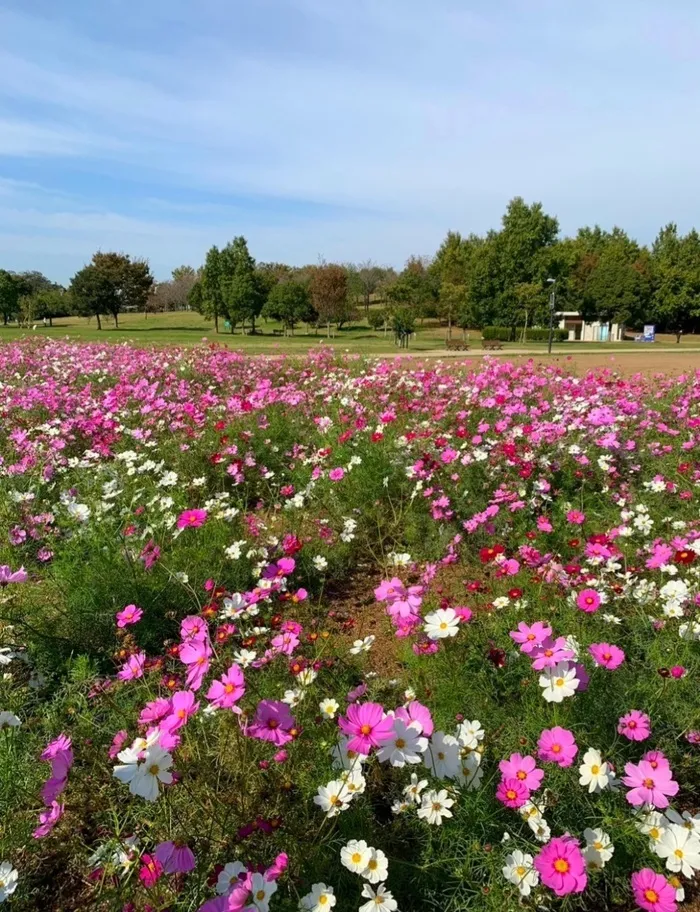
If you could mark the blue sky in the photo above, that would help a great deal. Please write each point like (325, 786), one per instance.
(338, 128)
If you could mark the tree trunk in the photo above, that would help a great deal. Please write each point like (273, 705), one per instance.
(51, 322)
(116, 321)
(679, 333)
(99, 324)
(449, 326)
(328, 329)
(366, 304)
(216, 320)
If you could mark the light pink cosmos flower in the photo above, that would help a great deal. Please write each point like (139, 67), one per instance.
(605, 655)
(652, 892)
(191, 519)
(273, 722)
(48, 819)
(561, 866)
(129, 615)
(133, 667)
(524, 769)
(9, 576)
(648, 785)
(588, 600)
(196, 655)
(635, 725)
(182, 706)
(550, 653)
(285, 643)
(366, 723)
(575, 517)
(154, 711)
(118, 742)
(530, 636)
(512, 793)
(225, 693)
(415, 712)
(194, 628)
(557, 745)
(175, 858)
(657, 759)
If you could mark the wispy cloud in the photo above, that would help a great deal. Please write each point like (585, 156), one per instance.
(347, 129)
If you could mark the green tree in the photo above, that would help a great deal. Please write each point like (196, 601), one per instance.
(290, 303)
(403, 323)
(210, 298)
(329, 294)
(12, 288)
(51, 303)
(93, 293)
(111, 283)
(453, 300)
(242, 291)
(415, 288)
(676, 268)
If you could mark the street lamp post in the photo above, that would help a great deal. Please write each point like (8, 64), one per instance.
(552, 301)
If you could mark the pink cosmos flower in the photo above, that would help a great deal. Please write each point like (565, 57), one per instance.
(285, 643)
(649, 785)
(524, 769)
(151, 871)
(182, 706)
(562, 867)
(557, 745)
(155, 710)
(277, 868)
(8, 576)
(588, 600)
(336, 474)
(575, 517)
(175, 858)
(366, 724)
(133, 667)
(635, 725)
(678, 671)
(652, 892)
(531, 636)
(194, 628)
(118, 742)
(550, 653)
(129, 615)
(52, 788)
(512, 793)
(59, 746)
(226, 692)
(416, 712)
(196, 654)
(191, 519)
(48, 820)
(657, 759)
(273, 722)
(606, 655)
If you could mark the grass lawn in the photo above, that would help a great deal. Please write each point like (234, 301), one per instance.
(189, 328)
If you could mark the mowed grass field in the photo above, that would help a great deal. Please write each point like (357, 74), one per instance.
(189, 328)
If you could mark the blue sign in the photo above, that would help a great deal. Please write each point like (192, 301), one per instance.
(649, 334)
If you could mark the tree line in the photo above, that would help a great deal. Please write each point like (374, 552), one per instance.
(501, 278)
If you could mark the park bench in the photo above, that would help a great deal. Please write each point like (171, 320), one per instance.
(456, 345)
(491, 345)
(277, 332)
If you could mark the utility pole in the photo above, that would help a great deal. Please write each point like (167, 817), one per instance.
(552, 302)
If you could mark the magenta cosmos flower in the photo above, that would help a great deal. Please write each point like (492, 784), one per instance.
(191, 519)
(649, 785)
(151, 871)
(175, 857)
(182, 705)
(557, 745)
(562, 867)
(550, 653)
(588, 600)
(8, 576)
(512, 793)
(336, 474)
(524, 769)
(529, 636)
(606, 655)
(635, 725)
(133, 667)
(226, 692)
(273, 722)
(129, 615)
(366, 725)
(416, 713)
(48, 820)
(652, 892)
(196, 655)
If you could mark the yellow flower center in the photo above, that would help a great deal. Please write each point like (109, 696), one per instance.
(521, 871)
(260, 895)
(651, 896)
(400, 743)
(356, 857)
(366, 729)
(678, 853)
(595, 769)
(560, 682)
(154, 769)
(561, 865)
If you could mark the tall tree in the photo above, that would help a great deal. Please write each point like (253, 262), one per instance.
(111, 283)
(369, 276)
(211, 299)
(329, 291)
(12, 288)
(676, 267)
(93, 293)
(243, 293)
(290, 303)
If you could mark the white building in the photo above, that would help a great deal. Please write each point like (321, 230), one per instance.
(580, 331)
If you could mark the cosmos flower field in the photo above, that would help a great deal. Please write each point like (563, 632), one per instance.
(323, 633)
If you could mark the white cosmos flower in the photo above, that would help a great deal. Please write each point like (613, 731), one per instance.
(293, 697)
(320, 563)
(404, 745)
(469, 734)
(261, 891)
(346, 759)
(244, 657)
(9, 720)
(681, 849)
(8, 880)
(79, 512)
(400, 807)
(435, 806)
(595, 772)
(362, 645)
(329, 708)
(519, 870)
(234, 606)
(230, 876)
(333, 798)
(441, 623)
(413, 791)
(559, 682)
(377, 867)
(442, 757)
(470, 772)
(686, 819)
(143, 777)
(654, 825)
(381, 900)
(599, 848)
(307, 676)
(320, 899)
(354, 781)
(356, 855)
